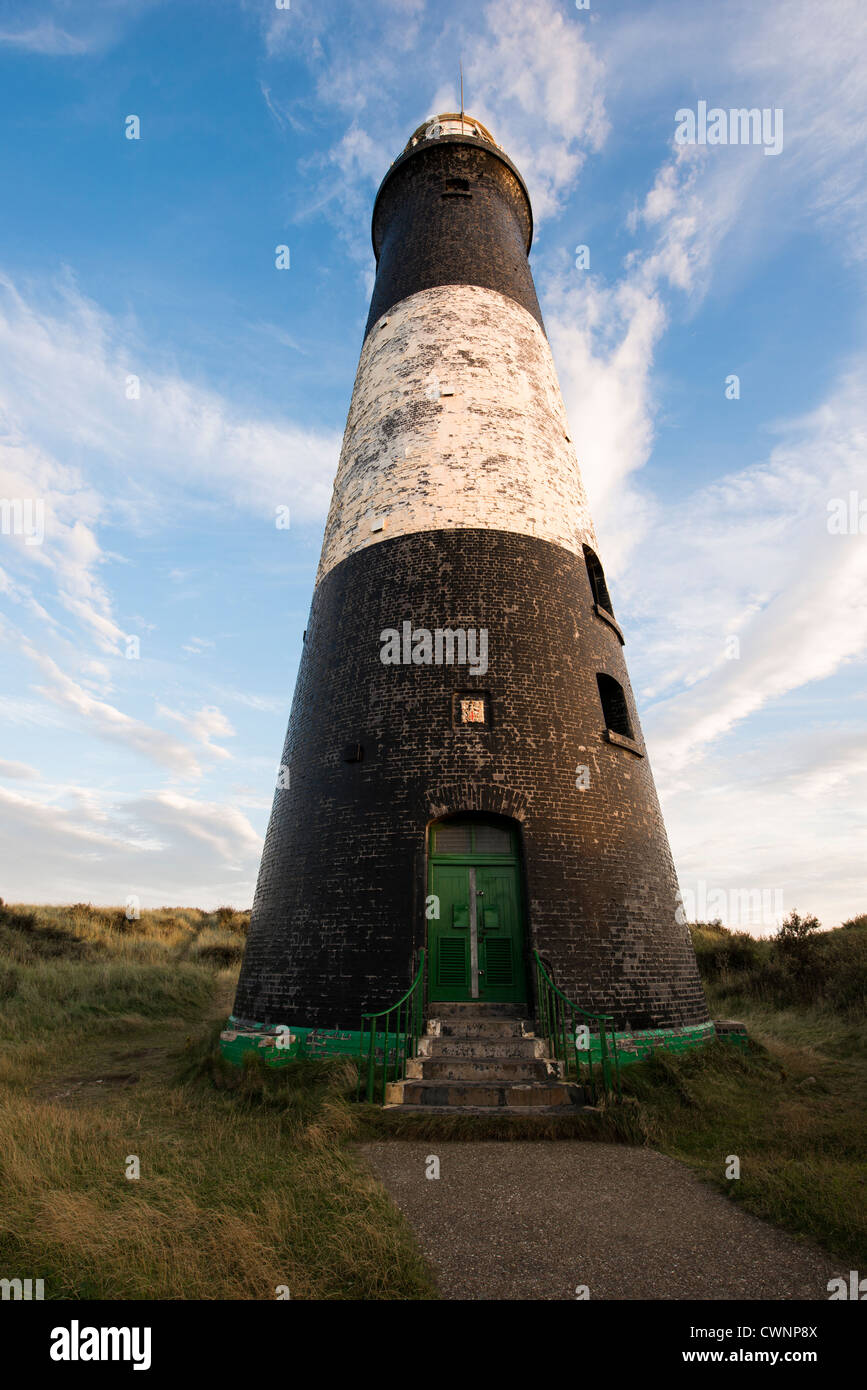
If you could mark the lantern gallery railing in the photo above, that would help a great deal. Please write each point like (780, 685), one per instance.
(574, 1035)
(390, 1043)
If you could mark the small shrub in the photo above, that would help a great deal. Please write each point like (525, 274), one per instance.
(797, 928)
(742, 951)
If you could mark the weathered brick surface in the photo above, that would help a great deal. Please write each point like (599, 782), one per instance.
(339, 908)
(496, 451)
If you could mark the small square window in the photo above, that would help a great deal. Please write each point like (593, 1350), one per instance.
(472, 711)
(471, 708)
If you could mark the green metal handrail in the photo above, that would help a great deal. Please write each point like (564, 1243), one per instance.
(404, 1039)
(557, 1023)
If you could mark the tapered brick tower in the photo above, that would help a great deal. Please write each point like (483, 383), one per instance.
(464, 767)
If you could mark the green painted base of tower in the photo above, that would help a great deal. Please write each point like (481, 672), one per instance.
(277, 1046)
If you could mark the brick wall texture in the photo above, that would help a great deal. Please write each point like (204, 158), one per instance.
(457, 419)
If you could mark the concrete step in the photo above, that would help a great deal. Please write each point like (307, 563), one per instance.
(471, 1069)
(479, 1028)
(482, 1049)
(478, 1009)
(503, 1112)
(483, 1094)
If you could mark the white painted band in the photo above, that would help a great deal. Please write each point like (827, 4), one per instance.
(456, 421)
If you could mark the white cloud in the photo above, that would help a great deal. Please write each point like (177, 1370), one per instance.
(165, 848)
(64, 387)
(604, 339)
(268, 703)
(206, 724)
(759, 793)
(817, 71)
(786, 56)
(19, 771)
(752, 555)
(790, 817)
(69, 30)
(530, 75)
(538, 84)
(222, 830)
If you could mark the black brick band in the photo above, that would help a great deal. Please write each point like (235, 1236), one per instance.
(339, 907)
(452, 211)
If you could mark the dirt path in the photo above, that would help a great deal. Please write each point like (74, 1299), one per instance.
(527, 1220)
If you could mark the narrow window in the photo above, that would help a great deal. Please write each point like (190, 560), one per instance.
(596, 575)
(614, 706)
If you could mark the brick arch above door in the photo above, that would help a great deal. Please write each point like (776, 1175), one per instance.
(451, 798)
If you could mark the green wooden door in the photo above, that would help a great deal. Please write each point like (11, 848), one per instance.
(449, 935)
(475, 927)
(501, 963)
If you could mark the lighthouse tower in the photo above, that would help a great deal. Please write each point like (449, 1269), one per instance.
(464, 768)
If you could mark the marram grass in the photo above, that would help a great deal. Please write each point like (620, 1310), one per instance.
(108, 1035)
(249, 1182)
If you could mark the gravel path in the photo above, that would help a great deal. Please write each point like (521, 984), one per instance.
(527, 1220)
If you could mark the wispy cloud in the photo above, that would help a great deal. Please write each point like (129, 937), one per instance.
(754, 558)
(19, 771)
(203, 726)
(67, 370)
(69, 30)
(533, 75)
(101, 719)
(45, 37)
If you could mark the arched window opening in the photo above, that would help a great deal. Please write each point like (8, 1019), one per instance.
(473, 835)
(614, 706)
(596, 575)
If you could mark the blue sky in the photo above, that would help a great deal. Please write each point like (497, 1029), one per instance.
(155, 258)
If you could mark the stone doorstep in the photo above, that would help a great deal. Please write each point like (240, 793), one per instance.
(489, 1069)
(477, 1010)
(483, 1049)
(457, 1095)
(478, 1028)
